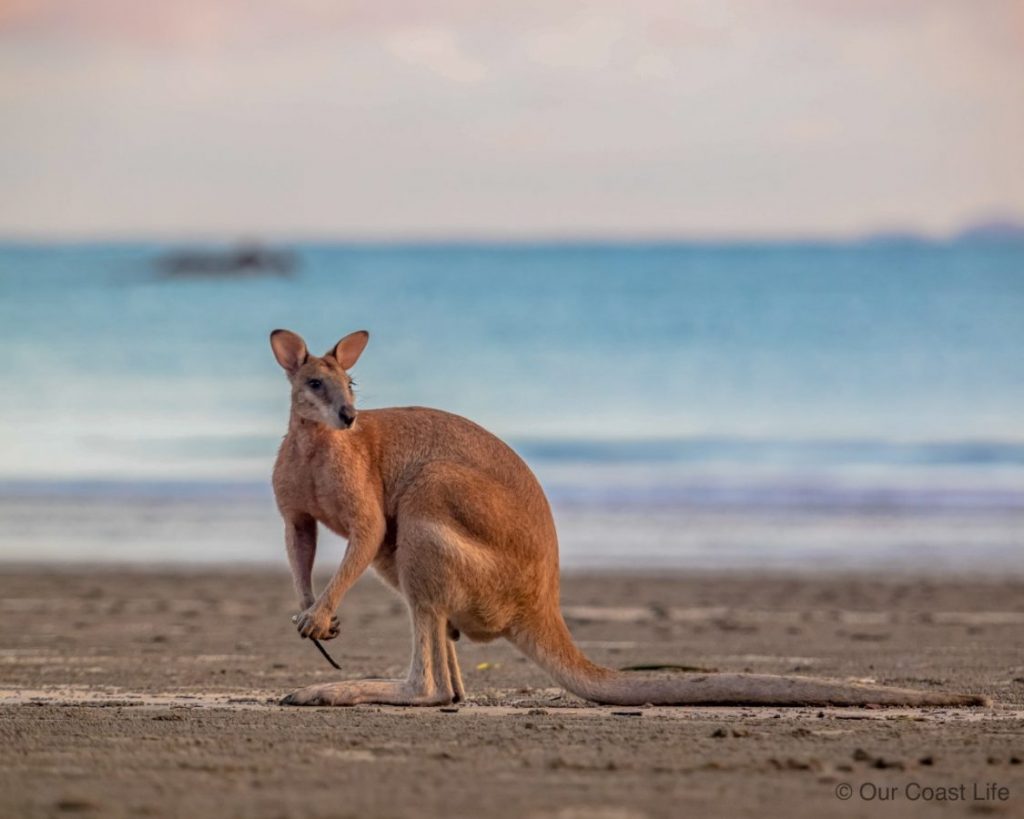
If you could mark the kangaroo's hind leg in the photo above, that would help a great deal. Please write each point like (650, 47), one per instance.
(429, 681)
(458, 691)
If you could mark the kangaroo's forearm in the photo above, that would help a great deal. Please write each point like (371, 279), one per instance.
(300, 539)
(363, 544)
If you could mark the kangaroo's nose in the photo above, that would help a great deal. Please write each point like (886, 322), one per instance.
(347, 414)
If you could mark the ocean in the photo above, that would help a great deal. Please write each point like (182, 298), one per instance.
(746, 405)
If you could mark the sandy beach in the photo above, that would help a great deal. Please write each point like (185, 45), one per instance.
(153, 693)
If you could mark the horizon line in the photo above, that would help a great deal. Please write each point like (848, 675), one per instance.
(611, 238)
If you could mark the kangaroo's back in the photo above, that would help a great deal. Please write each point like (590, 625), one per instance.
(409, 438)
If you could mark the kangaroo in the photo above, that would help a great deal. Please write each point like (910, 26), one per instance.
(456, 522)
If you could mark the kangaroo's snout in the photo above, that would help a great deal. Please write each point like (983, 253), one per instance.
(347, 415)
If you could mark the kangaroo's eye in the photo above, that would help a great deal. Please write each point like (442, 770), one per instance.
(314, 383)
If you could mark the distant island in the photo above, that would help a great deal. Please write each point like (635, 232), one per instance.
(997, 230)
(992, 230)
(248, 259)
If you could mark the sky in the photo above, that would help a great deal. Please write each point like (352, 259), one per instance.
(508, 119)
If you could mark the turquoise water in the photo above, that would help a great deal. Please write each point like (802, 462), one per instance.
(795, 379)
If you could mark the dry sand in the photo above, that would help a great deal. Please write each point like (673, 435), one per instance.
(153, 694)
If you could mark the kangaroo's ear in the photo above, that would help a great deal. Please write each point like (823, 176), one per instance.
(289, 350)
(348, 350)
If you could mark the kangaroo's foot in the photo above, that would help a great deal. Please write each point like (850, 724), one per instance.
(355, 692)
(429, 681)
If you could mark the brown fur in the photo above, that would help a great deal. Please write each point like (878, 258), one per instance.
(454, 520)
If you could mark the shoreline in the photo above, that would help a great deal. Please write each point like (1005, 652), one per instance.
(269, 568)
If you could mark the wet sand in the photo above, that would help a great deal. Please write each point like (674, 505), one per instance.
(153, 693)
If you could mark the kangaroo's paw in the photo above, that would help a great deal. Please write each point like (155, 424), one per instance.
(355, 692)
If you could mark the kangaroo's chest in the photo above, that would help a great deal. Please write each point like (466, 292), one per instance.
(318, 484)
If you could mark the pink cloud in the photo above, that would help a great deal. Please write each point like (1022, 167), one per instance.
(387, 115)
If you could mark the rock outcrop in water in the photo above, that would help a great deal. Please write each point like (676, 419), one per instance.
(244, 260)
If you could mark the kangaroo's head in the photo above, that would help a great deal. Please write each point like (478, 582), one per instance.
(321, 387)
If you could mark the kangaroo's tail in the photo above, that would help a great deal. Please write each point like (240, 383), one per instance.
(549, 643)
